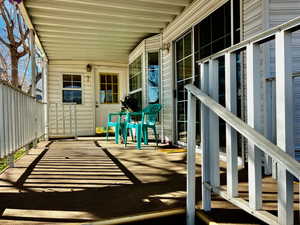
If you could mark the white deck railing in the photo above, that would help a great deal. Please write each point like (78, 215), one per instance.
(63, 121)
(21, 120)
(211, 111)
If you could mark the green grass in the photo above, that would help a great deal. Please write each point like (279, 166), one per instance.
(4, 162)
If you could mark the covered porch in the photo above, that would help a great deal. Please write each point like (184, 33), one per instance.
(95, 181)
(228, 129)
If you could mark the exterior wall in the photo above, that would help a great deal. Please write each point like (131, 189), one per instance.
(85, 111)
(167, 87)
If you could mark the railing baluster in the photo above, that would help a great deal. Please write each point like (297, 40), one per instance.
(214, 146)
(206, 192)
(2, 123)
(285, 123)
(191, 167)
(254, 113)
(231, 135)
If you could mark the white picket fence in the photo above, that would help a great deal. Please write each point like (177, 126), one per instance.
(21, 120)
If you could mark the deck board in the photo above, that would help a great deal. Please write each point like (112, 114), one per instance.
(78, 181)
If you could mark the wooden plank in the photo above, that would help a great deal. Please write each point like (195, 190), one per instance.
(206, 192)
(254, 116)
(191, 158)
(231, 135)
(285, 123)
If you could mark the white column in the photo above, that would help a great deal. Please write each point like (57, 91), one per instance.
(231, 134)
(285, 123)
(191, 170)
(205, 174)
(45, 97)
(214, 146)
(254, 116)
(33, 63)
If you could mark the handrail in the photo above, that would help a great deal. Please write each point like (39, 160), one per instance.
(259, 140)
(258, 38)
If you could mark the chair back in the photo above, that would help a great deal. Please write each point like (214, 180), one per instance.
(151, 113)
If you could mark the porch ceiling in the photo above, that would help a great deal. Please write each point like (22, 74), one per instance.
(98, 29)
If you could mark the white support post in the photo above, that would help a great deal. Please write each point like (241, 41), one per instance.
(45, 98)
(214, 146)
(231, 134)
(285, 123)
(33, 63)
(191, 161)
(254, 116)
(205, 174)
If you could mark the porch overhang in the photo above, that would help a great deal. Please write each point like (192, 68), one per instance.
(98, 29)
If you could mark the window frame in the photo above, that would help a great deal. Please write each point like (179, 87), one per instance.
(147, 75)
(118, 86)
(141, 74)
(72, 89)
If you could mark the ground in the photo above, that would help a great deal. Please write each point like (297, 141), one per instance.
(76, 182)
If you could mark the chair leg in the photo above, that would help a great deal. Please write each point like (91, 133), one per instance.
(155, 134)
(139, 136)
(107, 133)
(145, 131)
(117, 134)
(125, 130)
(131, 133)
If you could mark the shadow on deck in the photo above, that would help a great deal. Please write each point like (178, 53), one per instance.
(82, 181)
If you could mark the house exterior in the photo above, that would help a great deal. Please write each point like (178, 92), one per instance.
(242, 19)
(201, 60)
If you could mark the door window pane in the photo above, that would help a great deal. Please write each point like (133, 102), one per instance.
(108, 93)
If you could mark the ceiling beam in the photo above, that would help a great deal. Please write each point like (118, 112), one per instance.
(86, 39)
(51, 30)
(84, 42)
(132, 6)
(92, 10)
(94, 19)
(182, 3)
(67, 46)
(88, 26)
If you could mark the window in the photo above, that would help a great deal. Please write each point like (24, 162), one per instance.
(109, 90)
(183, 61)
(135, 74)
(135, 80)
(213, 34)
(153, 77)
(72, 89)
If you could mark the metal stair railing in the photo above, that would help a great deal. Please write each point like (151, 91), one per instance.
(282, 153)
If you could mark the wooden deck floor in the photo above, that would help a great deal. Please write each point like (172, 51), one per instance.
(81, 181)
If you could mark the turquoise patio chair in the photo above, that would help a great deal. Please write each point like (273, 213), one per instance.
(148, 119)
(117, 123)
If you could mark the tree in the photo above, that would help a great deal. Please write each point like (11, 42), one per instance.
(16, 39)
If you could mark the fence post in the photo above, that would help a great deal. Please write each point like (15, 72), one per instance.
(285, 123)
(254, 116)
(191, 166)
(206, 192)
(231, 134)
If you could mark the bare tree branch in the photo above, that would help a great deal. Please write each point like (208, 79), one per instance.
(4, 42)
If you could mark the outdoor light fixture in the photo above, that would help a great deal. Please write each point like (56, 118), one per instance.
(89, 68)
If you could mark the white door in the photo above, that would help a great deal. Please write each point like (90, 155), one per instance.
(107, 96)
